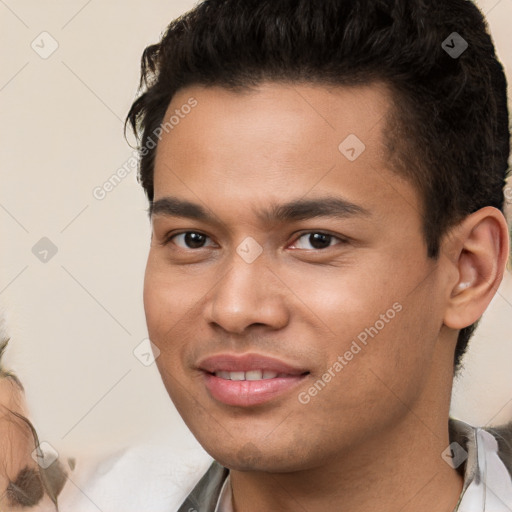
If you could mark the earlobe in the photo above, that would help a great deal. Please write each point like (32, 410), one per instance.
(480, 260)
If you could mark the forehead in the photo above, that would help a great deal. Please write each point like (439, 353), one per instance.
(277, 140)
(279, 114)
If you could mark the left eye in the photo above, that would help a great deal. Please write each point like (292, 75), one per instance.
(191, 240)
(316, 241)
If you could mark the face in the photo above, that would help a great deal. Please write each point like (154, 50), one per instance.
(287, 285)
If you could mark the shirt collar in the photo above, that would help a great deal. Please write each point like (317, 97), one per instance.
(487, 481)
(225, 503)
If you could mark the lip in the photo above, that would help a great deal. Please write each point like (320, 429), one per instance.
(246, 363)
(247, 393)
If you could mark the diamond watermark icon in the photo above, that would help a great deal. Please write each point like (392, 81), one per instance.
(352, 147)
(249, 250)
(44, 250)
(454, 45)
(454, 455)
(45, 455)
(44, 45)
(508, 194)
(146, 352)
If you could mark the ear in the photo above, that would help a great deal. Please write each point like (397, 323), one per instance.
(478, 249)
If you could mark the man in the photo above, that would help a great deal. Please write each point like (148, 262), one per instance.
(326, 190)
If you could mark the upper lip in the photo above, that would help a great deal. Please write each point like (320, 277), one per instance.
(246, 363)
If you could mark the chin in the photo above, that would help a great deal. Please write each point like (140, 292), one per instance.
(265, 458)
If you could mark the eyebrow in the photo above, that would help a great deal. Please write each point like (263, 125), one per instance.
(300, 209)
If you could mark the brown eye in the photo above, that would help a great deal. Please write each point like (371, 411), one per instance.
(316, 241)
(191, 240)
(319, 240)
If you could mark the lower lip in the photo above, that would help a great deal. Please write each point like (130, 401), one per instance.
(245, 393)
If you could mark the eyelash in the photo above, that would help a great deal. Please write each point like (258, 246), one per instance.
(341, 240)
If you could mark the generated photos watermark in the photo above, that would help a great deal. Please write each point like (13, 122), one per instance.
(101, 191)
(357, 345)
(508, 194)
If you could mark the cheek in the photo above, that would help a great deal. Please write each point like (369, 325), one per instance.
(167, 295)
(398, 343)
(156, 305)
(165, 300)
(173, 303)
(165, 306)
(346, 300)
(375, 319)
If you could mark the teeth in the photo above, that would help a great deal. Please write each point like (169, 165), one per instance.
(253, 375)
(250, 375)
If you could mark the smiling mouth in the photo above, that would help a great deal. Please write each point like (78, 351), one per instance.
(249, 379)
(252, 375)
(250, 388)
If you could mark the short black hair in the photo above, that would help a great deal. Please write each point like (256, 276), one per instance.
(449, 129)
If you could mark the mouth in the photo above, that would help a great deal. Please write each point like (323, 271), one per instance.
(249, 380)
(251, 375)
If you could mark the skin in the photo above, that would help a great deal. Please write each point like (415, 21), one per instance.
(14, 439)
(372, 438)
(16, 446)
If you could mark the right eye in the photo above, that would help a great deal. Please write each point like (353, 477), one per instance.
(190, 240)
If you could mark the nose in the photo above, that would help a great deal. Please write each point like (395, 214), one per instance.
(248, 295)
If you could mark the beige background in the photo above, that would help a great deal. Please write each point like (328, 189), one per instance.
(76, 319)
